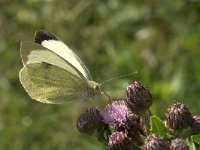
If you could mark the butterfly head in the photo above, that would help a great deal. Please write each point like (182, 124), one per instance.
(97, 89)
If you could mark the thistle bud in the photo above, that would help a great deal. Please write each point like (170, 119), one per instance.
(178, 144)
(89, 121)
(178, 116)
(195, 125)
(119, 141)
(138, 97)
(153, 142)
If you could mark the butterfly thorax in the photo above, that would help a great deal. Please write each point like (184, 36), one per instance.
(94, 88)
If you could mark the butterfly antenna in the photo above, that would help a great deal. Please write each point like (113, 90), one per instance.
(107, 95)
(124, 75)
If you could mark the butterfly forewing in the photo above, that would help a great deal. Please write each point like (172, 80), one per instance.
(52, 43)
(32, 52)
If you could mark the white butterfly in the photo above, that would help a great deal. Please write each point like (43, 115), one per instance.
(53, 73)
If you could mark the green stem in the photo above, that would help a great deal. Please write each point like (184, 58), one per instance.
(146, 117)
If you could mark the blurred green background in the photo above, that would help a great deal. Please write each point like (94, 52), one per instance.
(159, 39)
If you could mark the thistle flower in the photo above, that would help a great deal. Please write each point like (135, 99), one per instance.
(116, 114)
(195, 125)
(138, 97)
(178, 116)
(178, 144)
(153, 142)
(90, 121)
(119, 141)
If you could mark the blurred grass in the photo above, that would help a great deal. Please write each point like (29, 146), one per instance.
(159, 39)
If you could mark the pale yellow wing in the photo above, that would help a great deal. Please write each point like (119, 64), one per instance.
(50, 84)
(54, 44)
(32, 52)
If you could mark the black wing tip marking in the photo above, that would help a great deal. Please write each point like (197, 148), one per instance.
(42, 35)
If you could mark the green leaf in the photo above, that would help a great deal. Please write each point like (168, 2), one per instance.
(196, 138)
(157, 126)
(191, 144)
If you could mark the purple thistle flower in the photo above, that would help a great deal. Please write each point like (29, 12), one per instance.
(115, 114)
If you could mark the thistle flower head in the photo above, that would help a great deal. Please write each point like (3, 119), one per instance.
(195, 125)
(138, 97)
(153, 142)
(178, 144)
(119, 141)
(178, 116)
(89, 121)
(116, 137)
(115, 114)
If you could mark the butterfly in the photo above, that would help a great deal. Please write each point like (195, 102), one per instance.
(53, 73)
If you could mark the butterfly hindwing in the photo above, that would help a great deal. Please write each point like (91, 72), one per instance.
(50, 84)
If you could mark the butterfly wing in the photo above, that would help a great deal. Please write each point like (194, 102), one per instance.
(50, 84)
(32, 52)
(52, 43)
